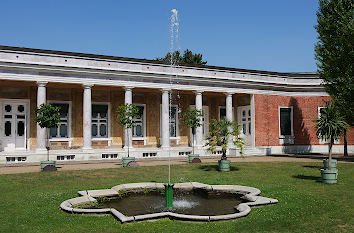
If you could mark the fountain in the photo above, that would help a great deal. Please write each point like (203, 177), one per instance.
(174, 28)
(193, 201)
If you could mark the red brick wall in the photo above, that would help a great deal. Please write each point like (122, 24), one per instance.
(305, 110)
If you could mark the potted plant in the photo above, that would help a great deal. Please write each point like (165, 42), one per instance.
(125, 117)
(218, 135)
(330, 126)
(192, 119)
(47, 116)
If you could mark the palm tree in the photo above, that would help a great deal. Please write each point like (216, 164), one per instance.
(330, 126)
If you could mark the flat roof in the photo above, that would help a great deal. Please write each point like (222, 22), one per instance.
(88, 55)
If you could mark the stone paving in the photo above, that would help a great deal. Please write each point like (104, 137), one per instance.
(89, 165)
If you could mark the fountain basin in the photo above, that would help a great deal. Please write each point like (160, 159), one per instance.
(88, 200)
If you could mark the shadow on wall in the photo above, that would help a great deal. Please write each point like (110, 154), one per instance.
(302, 137)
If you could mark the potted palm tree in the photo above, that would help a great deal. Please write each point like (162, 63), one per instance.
(125, 117)
(330, 126)
(192, 119)
(218, 135)
(47, 116)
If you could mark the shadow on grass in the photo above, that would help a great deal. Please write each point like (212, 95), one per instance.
(303, 177)
(215, 168)
(313, 166)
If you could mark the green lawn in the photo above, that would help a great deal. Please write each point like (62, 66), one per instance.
(30, 202)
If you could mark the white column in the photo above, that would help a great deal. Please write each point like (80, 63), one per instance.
(165, 120)
(41, 132)
(229, 113)
(199, 130)
(87, 108)
(128, 100)
(253, 122)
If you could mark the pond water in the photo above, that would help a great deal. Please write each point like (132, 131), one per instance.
(193, 203)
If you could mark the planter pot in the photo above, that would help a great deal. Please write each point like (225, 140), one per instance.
(334, 164)
(329, 176)
(192, 156)
(48, 162)
(224, 165)
(126, 160)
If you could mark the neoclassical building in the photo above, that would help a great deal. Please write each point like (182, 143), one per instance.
(275, 110)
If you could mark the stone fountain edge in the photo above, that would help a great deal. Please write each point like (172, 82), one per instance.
(89, 196)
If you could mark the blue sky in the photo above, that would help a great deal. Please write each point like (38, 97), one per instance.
(273, 35)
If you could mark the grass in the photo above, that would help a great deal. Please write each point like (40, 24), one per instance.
(30, 202)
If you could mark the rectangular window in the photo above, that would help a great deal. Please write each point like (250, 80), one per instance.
(286, 121)
(173, 122)
(139, 129)
(99, 121)
(62, 130)
(222, 113)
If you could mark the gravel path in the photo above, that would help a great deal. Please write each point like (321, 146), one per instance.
(64, 166)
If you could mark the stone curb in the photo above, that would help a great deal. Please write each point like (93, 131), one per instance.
(249, 193)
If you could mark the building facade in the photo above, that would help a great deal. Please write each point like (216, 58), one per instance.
(275, 110)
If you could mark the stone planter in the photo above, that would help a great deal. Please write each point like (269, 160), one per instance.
(192, 156)
(48, 162)
(334, 164)
(329, 176)
(224, 165)
(126, 160)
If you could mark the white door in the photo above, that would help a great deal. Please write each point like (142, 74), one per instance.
(14, 125)
(244, 120)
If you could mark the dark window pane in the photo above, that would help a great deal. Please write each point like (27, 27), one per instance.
(103, 130)
(8, 108)
(20, 108)
(63, 131)
(249, 128)
(94, 130)
(64, 108)
(99, 108)
(53, 132)
(8, 128)
(285, 121)
(141, 111)
(138, 131)
(20, 128)
(222, 113)
(172, 130)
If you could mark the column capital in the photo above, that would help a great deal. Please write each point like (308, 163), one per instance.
(229, 93)
(198, 92)
(128, 88)
(42, 83)
(87, 85)
(166, 89)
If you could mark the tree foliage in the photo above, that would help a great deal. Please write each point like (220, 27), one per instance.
(192, 119)
(330, 126)
(219, 133)
(335, 52)
(126, 114)
(47, 116)
(188, 57)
